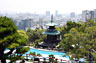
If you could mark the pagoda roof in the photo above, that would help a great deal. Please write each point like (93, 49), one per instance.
(51, 32)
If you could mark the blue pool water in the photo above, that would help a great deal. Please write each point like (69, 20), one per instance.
(6, 49)
(47, 52)
(42, 52)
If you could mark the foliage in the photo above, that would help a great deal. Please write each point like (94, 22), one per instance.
(63, 55)
(38, 54)
(94, 55)
(22, 57)
(51, 58)
(22, 33)
(33, 53)
(22, 50)
(79, 39)
(32, 44)
(10, 38)
(68, 26)
(35, 35)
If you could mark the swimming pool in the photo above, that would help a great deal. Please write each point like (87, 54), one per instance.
(47, 53)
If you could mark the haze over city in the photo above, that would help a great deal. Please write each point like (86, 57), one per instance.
(40, 6)
(47, 31)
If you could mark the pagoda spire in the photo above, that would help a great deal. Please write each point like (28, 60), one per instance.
(51, 19)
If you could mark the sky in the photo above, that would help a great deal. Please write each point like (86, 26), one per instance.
(41, 6)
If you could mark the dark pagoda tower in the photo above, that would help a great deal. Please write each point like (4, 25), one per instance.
(52, 34)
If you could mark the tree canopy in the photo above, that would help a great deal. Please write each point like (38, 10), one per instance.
(35, 35)
(80, 39)
(10, 38)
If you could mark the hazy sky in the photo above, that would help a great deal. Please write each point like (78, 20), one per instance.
(40, 6)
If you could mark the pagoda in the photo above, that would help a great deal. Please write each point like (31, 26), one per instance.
(53, 36)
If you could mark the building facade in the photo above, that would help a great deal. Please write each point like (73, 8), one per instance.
(72, 15)
(86, 14)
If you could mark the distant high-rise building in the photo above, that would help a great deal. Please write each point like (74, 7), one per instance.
(72, 15)
(94, 12)
(20, 25)
(95, 15)
(47, 13)
(88, 15)
(85, 15)
(91, 14)
(26, 23)
(56, 13)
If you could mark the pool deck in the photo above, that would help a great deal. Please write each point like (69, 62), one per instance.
(42, 49)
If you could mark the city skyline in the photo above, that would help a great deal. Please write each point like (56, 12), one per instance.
(41, 6)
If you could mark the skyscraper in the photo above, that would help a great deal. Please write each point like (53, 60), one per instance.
(72, 15)
(95, 15)
(94, 12)
(47, 13)
(88, 15)
(85, 15)
(56, 13)
(91, 14)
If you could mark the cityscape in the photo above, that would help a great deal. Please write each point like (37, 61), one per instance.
(47, 31)
(33, 20)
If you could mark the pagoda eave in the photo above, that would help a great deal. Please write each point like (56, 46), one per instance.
(46, 33)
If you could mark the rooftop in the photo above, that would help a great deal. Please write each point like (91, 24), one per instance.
(51, 32)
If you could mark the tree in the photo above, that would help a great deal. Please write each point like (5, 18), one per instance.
(35, 36)
(10, 38)
(68, 26)
(74, 43)
(92, 42)
(51, 58)
(80, 41)
(22, 33)
(38, 54)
